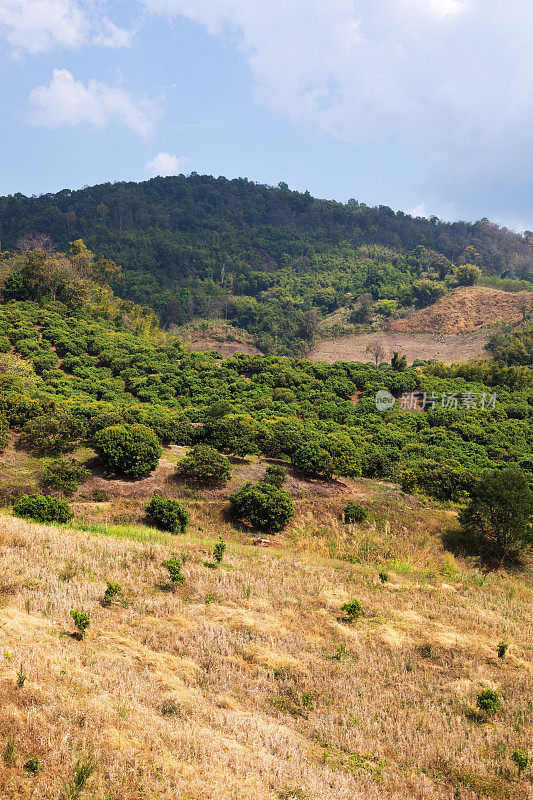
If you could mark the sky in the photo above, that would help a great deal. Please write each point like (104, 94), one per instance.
(421, 105)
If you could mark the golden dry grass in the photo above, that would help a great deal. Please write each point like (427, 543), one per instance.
(246, 683)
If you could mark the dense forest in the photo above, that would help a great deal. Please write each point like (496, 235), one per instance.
(271, 260)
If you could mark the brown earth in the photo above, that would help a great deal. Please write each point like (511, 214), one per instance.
(466, 310)
(203, 344)
(447, 349)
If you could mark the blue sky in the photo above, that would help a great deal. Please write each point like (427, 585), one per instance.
(423, 105)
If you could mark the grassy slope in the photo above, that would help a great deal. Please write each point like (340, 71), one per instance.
(242, 658)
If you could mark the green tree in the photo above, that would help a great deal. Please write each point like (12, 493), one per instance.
(132, 450)
(264, 506)
(41, 508)
(167, 514)
(59, 432)
(467, 274)
(205, 465)
(497, 521)
(313, 459)
(64, 476)
(234, 433)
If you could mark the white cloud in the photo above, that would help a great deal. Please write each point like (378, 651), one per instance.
(166, 164)
(66, 101)
(110, 35)
(38, 25)
(449, 79)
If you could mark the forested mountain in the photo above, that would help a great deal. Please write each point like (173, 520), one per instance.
(270, 259)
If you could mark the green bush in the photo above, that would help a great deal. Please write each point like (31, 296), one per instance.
(59, 432)
(353, 512)
(502, 648)
(313, 460)
(408, 482)
(521, 759)
(64, 476)
(264, 506)
(4, 429)
(132, 450)
(274, 475)
(204, 465)
(112, 591)
(219, 550)
(489, 701)
(81, 622)
(41, 508)
(174, 572)
(352, 610)
(167, 514)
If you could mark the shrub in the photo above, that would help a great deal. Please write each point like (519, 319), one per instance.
(174, 572)
(41, 508)
(408, 482)
(219, 550)
(274, 475)
(113, 590)
(521, 759)
(167, 514)
(264, 506)
(81, 622)
(489, 701)
(502, 648)
(233, 433)
(59, 432)
(64, 476)
(132, 450)
(205, 465)
(352, 610)
(497, 520)
(313, 460)
(353, 512)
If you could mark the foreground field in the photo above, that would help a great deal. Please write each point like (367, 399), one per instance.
(247, 683)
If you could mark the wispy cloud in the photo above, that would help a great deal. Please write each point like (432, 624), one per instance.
(448, 79)
(66, 101)
(37, 26)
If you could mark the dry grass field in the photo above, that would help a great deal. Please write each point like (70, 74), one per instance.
(246, 683)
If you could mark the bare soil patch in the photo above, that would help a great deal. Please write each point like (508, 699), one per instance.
(466, 310)
(202, 344)
(445, 348)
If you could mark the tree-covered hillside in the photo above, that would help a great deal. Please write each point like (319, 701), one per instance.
(271, 260)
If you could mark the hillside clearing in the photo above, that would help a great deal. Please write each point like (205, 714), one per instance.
(466, 310)
(448, 349)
